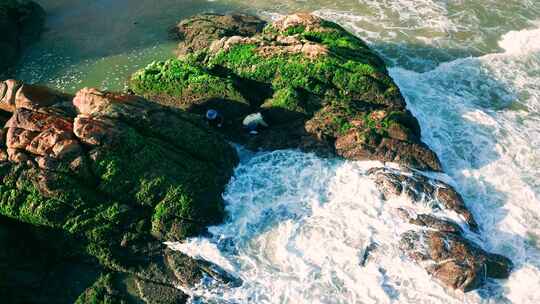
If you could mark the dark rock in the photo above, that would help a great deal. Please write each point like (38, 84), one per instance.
(41, 260)
(189, 272)
(157, 293)
(21, 23)
(453, 260)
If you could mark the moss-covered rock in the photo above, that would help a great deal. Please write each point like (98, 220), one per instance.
(114, 172)
(21, 22)
(317, 84)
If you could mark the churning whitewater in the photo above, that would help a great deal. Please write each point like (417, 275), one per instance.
(304, 229)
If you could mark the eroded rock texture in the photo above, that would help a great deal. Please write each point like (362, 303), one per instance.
(117, 174)
(439, 244)
(454, 260)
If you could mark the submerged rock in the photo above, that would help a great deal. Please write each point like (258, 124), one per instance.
(320, 87)
(21, 23)
(116, 172)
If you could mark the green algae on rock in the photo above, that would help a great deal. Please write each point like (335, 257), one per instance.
(323, 89)
(320, 87)
(116, 173)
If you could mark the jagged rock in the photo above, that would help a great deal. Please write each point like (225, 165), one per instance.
(197, 33)
(421, 188)
(429, 221)
(455, 261)
(442, 250)
(320, 87)
(118, 173)
(21, 22)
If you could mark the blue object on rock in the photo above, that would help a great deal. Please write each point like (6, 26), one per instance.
(211, 114)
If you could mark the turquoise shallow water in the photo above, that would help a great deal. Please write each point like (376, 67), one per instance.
(470, 71)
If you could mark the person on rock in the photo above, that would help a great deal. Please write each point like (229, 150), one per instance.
(214, 118)
(254, 122)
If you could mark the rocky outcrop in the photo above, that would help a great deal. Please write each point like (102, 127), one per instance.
(319, 87)
(421, 188)
(21, 22)
(439, 244)
(117, 175)
(454, 260)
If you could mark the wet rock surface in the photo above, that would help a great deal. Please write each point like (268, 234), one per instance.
(115, 175)
(419, 188)
(439, 244)
(21, 23)
(453, 260)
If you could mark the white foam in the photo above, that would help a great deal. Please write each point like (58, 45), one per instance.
(521, 42)
(298, 230)
(481, 116)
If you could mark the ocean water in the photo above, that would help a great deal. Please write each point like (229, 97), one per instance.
(299, 225)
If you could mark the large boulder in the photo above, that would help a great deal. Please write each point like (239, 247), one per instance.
(117, 174)
(318, 86)
(21, 22)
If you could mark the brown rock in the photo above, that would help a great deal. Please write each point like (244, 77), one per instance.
(299, 19)
(190, 272)
(44, 143)
(400, 132)
(312, 50)
(38, 122)
(199, 32)
(358, 145)
(429, 221)
(33, 97)
(3, 156)
(89, 101)
(17, 156)
(9, 91)
(93, 131)
(420, 188)
(19, 138)
(453, 260)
